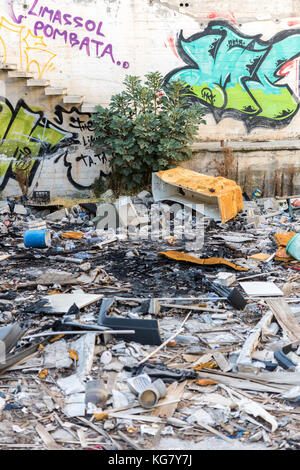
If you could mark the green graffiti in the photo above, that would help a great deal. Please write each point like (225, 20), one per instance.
(26, 136)
(236, 75)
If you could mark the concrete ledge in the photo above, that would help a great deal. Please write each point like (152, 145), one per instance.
(271, 145)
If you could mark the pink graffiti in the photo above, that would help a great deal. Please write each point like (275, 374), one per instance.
(217, 14)
(286, 68)
(18, 19)
(171, 44)
(293, 22)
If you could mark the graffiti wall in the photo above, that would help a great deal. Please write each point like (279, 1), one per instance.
(59, 155)
(241, 76)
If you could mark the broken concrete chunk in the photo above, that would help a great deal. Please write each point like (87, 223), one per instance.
(226, 279)
(200, 416)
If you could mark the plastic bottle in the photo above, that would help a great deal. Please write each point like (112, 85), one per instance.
(95, 393)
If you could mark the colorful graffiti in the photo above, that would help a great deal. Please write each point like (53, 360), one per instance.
(237, 75)
(33, 52)
(88, 158)
(26, 136)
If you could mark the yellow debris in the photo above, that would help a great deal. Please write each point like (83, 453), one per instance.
(178, 256)
(73, 355)
(43, 374)
(229, 194)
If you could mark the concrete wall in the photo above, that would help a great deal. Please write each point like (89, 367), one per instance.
(240, 60)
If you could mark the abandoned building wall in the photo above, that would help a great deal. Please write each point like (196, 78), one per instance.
(240, 59)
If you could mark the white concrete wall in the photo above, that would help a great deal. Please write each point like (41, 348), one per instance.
(107, 39)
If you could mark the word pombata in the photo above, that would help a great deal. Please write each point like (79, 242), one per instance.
(51, 24)
(237, 75)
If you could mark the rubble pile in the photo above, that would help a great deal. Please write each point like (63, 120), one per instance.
(147, 334)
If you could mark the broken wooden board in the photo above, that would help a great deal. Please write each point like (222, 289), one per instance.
(4, 257)
(48, 440)
(244, 362)
(285, 317)
(222, 361)
(175, 392)
(241, 383)
(260, 257)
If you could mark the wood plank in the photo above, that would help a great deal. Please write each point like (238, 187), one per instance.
(222, 361)
(195, 308)
(147, 419)
(129, 441)
(244, 361)
(243, 384)
(48, 440)
(285, 318)
(175, 392)
(214, 431)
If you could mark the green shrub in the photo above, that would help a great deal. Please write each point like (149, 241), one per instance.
(147, 128)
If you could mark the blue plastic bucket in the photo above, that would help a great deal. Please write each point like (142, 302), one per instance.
(37, 239)
(293, 247)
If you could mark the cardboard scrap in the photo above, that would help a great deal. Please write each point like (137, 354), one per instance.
(72, 235)
(178, 256)
(281, 255)
(260, 257)
(283, 238)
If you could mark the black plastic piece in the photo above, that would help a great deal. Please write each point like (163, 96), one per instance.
(41, 196)
(74, 310)
(8, 296)
(67, 324)
(270, 366)
(283, 360)
(236, 299)
(90, 208)
(146, 331)
(11, 205)
(234, 296)
(159, 370)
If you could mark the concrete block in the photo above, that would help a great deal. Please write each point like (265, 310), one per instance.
(226, 279)
(20, 74)
(38, 83)
(76, 99)
(57, 216)
(89, 108)
(52, 91)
